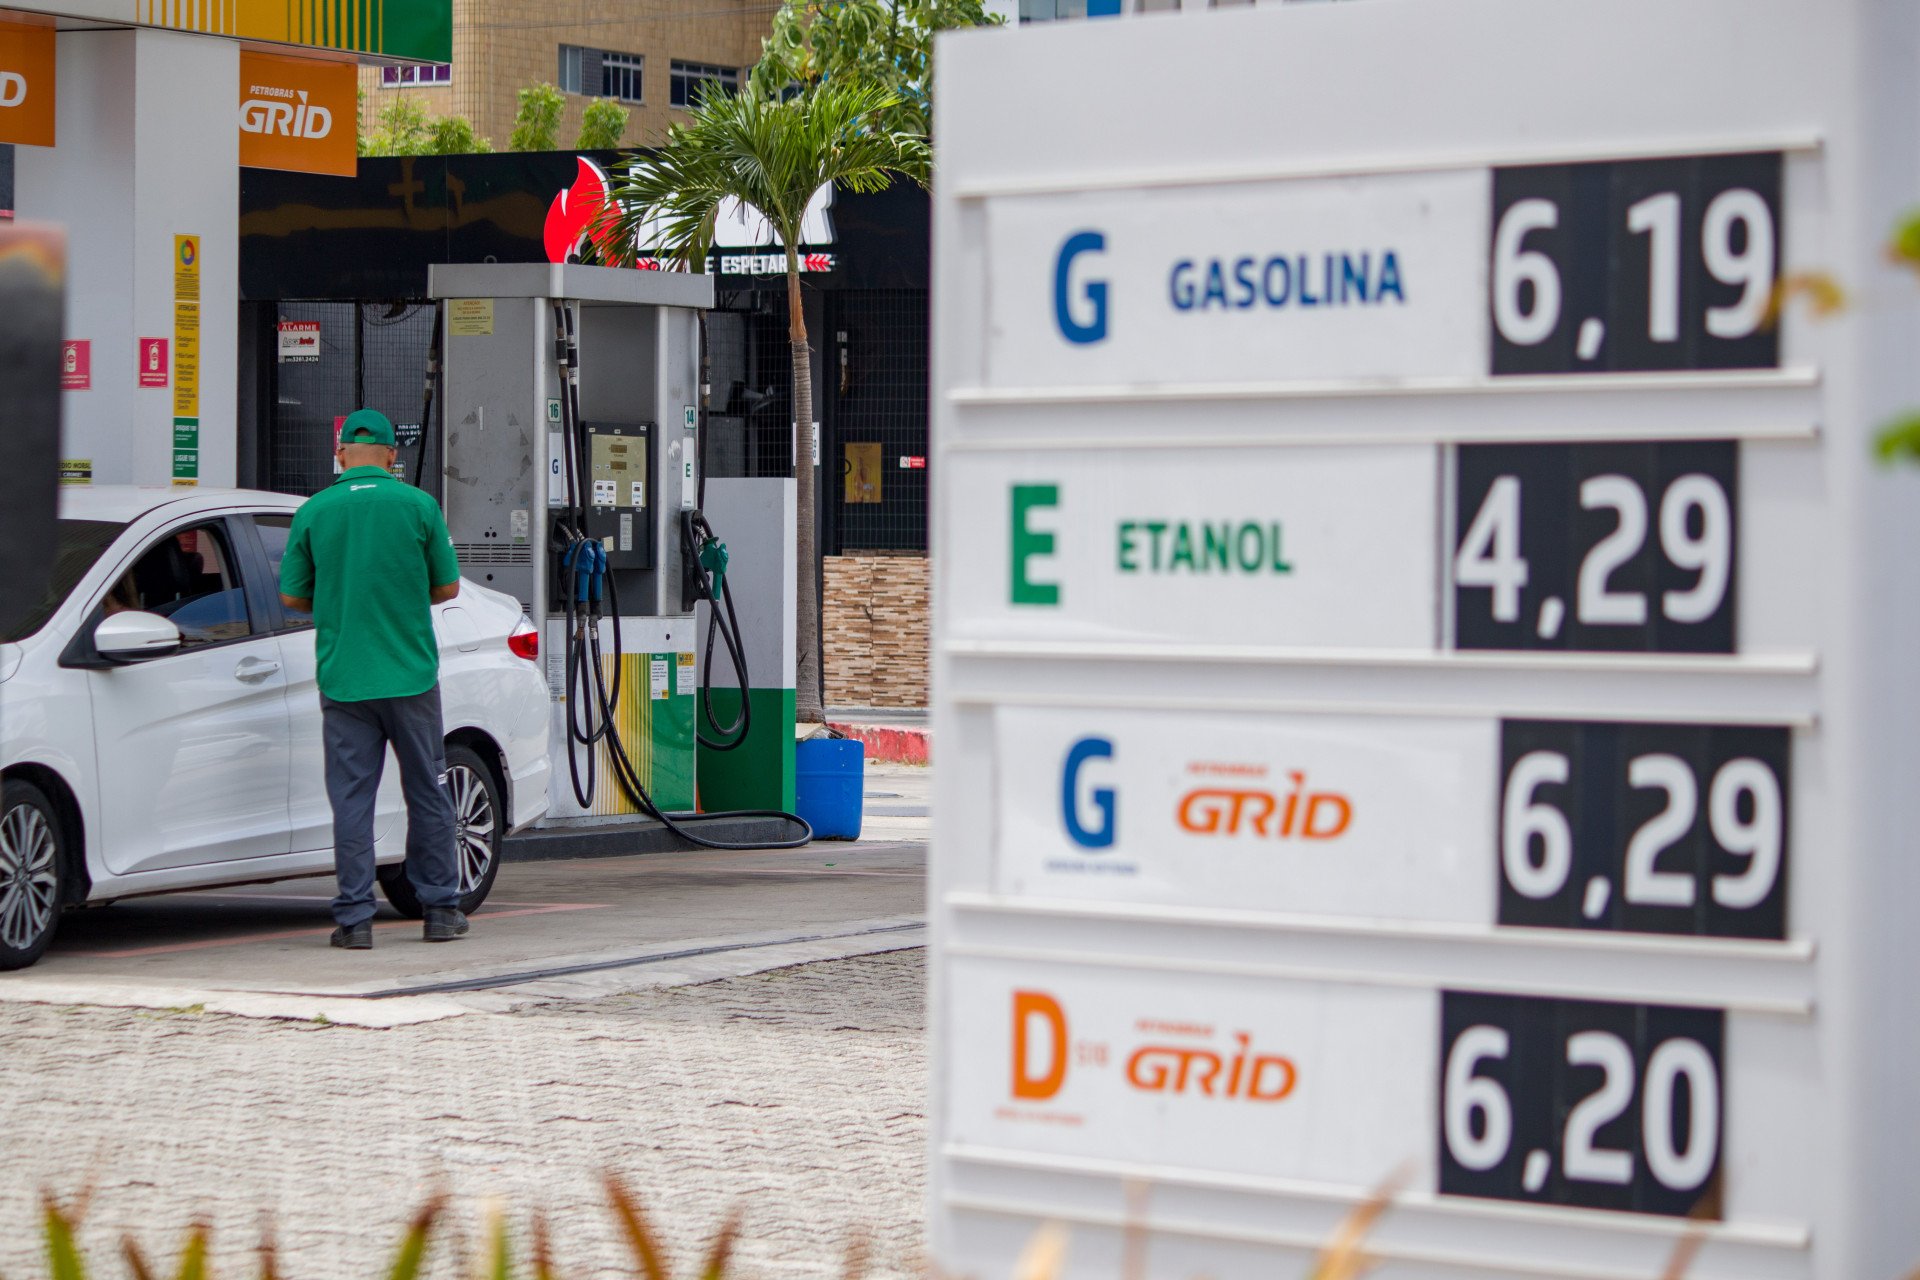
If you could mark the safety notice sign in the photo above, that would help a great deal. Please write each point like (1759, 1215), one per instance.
(1417, 643)
(299, 341)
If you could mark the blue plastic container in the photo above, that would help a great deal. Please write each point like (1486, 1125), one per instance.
(829, 779)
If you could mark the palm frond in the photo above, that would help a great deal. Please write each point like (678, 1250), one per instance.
(633, 1223)
(64, 1261)
(407, 1260)
(766, 152)
(720, 1251)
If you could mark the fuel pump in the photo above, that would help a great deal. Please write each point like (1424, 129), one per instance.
(568, 401)
(593, 537)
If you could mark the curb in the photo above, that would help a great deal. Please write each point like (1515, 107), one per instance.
(888, 743)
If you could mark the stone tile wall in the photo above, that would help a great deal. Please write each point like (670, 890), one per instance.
(876, 615)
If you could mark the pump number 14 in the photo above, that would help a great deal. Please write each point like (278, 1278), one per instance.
(1596, 547)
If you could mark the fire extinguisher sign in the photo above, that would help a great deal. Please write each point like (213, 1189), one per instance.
(152, 366)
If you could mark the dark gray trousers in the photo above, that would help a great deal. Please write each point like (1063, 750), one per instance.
(357, 735)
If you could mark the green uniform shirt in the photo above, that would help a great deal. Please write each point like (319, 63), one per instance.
(367, 552)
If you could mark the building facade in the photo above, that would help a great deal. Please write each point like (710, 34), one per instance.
(651, 56)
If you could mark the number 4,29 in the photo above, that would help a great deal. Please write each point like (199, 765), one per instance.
(1601, 547)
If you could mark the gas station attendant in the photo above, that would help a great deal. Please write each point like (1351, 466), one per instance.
(369, 556)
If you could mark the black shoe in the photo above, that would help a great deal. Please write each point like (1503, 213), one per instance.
(357, 937)
(444, 924)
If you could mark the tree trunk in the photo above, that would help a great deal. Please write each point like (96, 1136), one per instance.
(808, 702)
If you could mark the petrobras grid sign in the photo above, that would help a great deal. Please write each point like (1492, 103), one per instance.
(1249, 1076)
(1302, 548)
(1325, 815)
(1304, 279)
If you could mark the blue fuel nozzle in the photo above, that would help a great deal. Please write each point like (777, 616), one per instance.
(579, 560)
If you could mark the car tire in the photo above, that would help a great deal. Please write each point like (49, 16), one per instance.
(32, 858)
(479, 832)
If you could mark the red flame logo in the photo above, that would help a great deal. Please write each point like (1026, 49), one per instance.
(579, 213)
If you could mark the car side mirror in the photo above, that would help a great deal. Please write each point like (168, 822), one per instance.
(133, 635)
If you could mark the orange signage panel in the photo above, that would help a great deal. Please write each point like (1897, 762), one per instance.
(26, 84)
(297, 113)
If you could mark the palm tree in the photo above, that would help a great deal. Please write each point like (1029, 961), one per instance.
(772, 153)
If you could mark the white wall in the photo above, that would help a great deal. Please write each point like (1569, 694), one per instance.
(147, 149)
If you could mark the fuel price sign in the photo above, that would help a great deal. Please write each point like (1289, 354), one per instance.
(1520, 822)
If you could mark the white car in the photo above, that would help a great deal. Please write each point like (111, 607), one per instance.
(160, 725)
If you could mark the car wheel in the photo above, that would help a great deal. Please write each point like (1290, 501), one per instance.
(479, 829)
(30, 862)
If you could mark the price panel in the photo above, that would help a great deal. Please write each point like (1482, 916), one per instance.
(1620, 547)
(1645, 828)
(1636, 265)
(1581, 1102)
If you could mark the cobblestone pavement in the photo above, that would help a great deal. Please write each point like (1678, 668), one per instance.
(796, 1096)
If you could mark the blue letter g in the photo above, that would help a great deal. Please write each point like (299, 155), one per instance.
(1096, 290)
(1102, 837)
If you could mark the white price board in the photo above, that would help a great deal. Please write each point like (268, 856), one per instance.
(1419, 641)
(1311, 279)
(1302, 547)
(1324, 815)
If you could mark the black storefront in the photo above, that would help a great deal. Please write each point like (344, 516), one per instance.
(333, 281)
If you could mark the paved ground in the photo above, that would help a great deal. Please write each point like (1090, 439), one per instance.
(796, 1096)
(543, 919)
(714, 1081)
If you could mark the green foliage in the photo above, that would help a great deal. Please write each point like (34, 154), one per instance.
(403, 128)
(767, 153)
(603, 125)
(887, 44)
(454, 136)
(1899, 440)
(1905, 246)
(63, 1255)
(536, 125)
(66, 1262)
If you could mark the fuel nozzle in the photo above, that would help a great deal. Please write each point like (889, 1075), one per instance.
(713, 564)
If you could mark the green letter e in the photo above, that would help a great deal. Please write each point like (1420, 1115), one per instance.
(1028, 543)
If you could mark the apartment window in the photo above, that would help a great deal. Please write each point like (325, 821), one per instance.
(415, 73)
(569, 78)
(689, 77)
(620, 76)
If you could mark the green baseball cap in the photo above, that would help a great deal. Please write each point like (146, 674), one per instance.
(366, 426)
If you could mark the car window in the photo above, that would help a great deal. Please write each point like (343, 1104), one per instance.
(273, 537)
(189, 577)
(77, 545)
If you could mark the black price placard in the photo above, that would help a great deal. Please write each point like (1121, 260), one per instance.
(1600, 547)
(1645, 828)
(1636, 265)
(1581, 1102)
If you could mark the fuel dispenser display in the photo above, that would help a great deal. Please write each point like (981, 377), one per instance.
(617, 504)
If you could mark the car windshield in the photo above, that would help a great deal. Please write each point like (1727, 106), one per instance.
(79, 544)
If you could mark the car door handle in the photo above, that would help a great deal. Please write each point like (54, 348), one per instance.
(253, 670)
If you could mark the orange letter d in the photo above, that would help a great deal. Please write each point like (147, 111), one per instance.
(1026, 1084)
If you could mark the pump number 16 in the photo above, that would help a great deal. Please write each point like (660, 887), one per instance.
(1597, 547)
